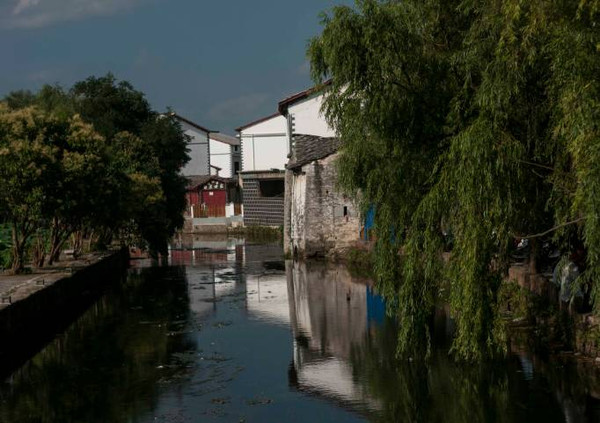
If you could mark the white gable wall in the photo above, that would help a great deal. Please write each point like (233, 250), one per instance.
(198, 146)
(265, 145)
(220, 156)
(308, 118)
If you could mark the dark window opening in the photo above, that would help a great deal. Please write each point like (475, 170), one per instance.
(345, 210)
(236, 167)
(272, 188)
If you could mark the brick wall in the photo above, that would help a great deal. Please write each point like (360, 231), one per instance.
(260, 210)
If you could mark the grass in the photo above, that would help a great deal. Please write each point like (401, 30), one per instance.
(259, 233)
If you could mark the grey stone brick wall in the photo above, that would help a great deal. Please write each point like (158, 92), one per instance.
(321, 220)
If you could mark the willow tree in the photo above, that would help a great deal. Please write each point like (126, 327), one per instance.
(475, 118)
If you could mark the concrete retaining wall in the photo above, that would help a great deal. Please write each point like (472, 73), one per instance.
(28, 324)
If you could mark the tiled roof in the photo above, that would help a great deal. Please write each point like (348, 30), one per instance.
(226, 139)
(197, 181)
(189, 122)
(256, 122)
(285, 103)
(308, 148)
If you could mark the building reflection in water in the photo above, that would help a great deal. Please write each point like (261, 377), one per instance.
(344, 346)
(330, 314)
(213, 266)
(344, 352)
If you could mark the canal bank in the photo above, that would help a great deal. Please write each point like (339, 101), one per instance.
(237, 333)
(34, 307)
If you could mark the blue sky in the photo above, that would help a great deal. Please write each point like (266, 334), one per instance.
(221, 63)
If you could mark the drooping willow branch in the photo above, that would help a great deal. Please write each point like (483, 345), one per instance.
(541, 166)
(555, 228)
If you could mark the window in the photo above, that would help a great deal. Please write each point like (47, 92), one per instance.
(272, 188)
(236, 167)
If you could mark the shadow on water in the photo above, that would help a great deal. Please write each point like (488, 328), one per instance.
(18, 348)
(108, 366)
(232, 332)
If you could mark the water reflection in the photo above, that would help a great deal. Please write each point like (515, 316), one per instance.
(344, 352)
(228, 331)
(120, 359)
(329, 318)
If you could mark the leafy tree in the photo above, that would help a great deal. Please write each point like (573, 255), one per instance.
(26, 158)
(20, 99)
(95, 159)
(79, 170)
(478, 118)
(169, 146)
(119, 112)
(111, 106)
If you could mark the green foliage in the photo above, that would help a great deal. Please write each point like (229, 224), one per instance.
(360, 261)
(149, 147)
(478, 118)
(96, 160)
(112, 106)
(515, 301)
(27, 164)
(5, 247)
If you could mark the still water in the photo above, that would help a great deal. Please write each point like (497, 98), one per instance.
(236, 334)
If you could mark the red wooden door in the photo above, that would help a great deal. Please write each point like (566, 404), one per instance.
(214, 197)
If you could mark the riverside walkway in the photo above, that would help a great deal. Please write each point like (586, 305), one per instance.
(14, 288)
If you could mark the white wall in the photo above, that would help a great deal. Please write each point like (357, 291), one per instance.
(308, 118)
(220, 156)
(198, 146)
(265, 145)
(297, 213)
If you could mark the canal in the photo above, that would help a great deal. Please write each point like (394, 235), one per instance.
(231, 332)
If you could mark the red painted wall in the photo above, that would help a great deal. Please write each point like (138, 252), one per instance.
(193, 197)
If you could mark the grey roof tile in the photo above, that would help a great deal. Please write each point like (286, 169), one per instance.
(308, 148)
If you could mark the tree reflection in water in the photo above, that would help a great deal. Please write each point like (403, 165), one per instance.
(210, 336)
(110, 364)
(345, 353)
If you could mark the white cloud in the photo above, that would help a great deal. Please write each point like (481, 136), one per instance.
(23, 5)
(38, 13)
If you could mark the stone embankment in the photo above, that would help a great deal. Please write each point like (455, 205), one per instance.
(34, 307)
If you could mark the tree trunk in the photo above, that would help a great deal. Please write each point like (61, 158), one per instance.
(18, 251)
(55, 249)
(77, 240)
(57, 240)
(39, 252)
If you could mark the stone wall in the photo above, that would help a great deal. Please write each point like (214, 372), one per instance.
(322, 222)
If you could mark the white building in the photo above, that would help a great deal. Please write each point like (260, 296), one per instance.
(302, 112)
(264, 144)
(211, 153)
(225, 158)
(318, 219)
